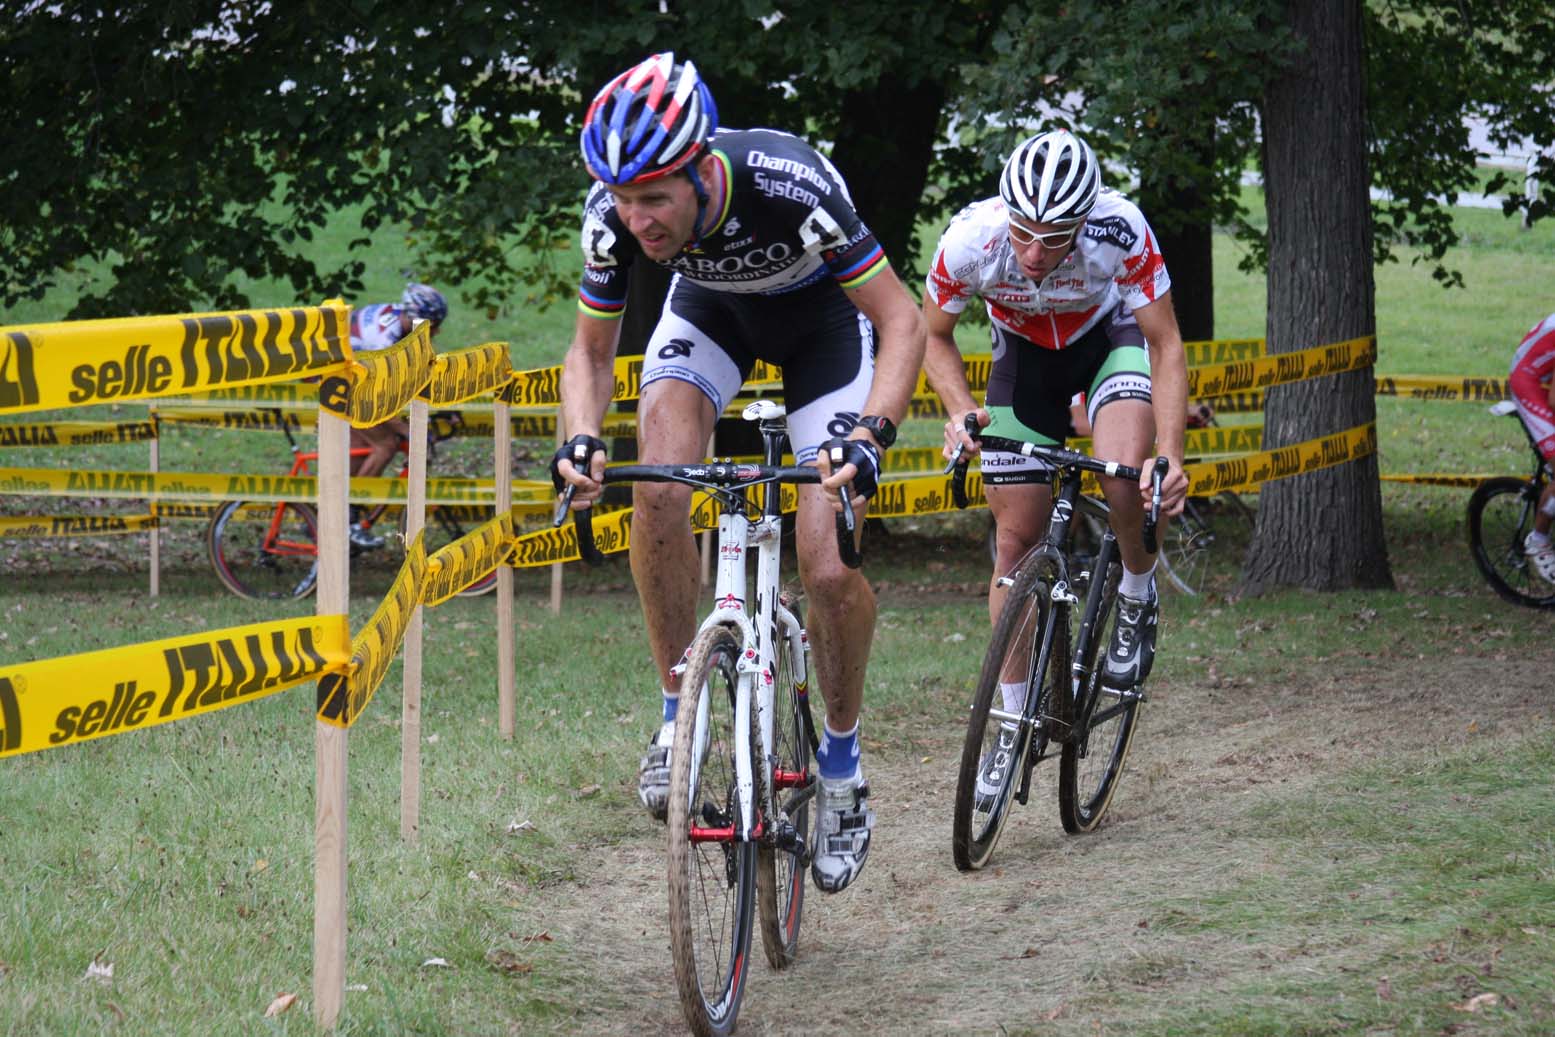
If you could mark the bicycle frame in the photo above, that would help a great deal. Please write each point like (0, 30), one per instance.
(760, 630)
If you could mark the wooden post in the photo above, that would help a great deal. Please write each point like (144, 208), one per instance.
(410, 704)
(329, 742)
(556, 568)
(506, 647)
(156, 509)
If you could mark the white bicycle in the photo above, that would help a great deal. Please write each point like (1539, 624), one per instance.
(741, 774)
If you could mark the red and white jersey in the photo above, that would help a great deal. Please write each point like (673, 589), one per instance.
(1116, 261)
(1532, 366)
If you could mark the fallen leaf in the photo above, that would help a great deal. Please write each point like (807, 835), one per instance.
(538, 938)
(441, 963)
(586, 791)
(281, 1003)
(515, 827)
(1384, 989)
(926, 759)
(507, 961)
(260, 865)
(1029, 952)
(100, 970)
(356, 986)
(1478, 1001)
(432, 739)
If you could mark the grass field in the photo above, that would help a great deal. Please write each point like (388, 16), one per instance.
(1336, 820)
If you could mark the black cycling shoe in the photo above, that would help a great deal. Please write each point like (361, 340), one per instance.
(1132, 651)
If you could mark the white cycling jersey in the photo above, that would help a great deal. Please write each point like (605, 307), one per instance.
(1115, 262)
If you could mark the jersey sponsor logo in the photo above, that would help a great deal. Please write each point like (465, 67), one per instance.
(734, 266)
(1114, 230)
(796, 169)
(675, 347)
(774, 188)
(732, 227)
(842, 422)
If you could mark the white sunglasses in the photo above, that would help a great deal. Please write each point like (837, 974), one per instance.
(1051, 240)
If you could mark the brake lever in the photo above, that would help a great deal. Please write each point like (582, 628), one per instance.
(1157, 475)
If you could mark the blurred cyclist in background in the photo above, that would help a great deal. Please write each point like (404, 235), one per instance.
(1533, 389)
(374, 327)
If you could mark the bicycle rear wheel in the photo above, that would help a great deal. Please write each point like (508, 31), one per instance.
(780, 871)
(712, 872)
(263, 550)
(1104, 721)
(1028, 649)
(1500, 516)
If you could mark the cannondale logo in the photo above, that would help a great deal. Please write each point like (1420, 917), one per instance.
(843, 423)
(675, 347)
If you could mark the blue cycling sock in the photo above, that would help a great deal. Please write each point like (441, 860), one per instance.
(838, 753)
(671, 706)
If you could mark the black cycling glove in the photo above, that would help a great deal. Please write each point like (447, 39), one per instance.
(860, 453)
(579, 450)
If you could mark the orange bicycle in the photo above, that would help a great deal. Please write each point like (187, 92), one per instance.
(268, 549)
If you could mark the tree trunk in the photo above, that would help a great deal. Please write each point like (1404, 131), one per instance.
(1321, 530)
(884, 143)
(1186, 244)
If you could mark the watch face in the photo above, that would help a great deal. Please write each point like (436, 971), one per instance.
(881, 428)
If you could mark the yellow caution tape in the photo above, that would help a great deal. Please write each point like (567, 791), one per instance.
(256, 419)
(455, 566)
(1282, 368)
(107, 361)
(469, 373)
(198, 486)
(1250, 470)
(1445, 479)
(1222, 350)
(107, 692)
(25, 527)
(1435, 387)
(343, 697)
(76, 433)
(384, 381)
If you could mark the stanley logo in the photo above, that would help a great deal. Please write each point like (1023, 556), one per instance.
(10, 717)
(18, 379)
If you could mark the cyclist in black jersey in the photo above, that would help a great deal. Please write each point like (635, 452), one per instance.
(771, 262)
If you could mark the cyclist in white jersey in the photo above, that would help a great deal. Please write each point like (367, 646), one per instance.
(374, 327)
(771, 262)
(1080, 302)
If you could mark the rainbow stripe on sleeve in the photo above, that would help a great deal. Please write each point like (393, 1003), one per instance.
(600, 308)
(862, 271)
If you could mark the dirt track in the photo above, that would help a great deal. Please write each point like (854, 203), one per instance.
(1057, 923)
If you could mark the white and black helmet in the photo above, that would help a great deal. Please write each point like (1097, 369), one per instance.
(1051, 178)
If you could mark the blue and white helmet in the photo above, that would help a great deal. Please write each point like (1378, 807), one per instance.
(1051, 178)
(426, 302)
(648, 122)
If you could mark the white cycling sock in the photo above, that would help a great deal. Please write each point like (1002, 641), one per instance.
(1014, 696)
(1537, 539)
(1138, 585)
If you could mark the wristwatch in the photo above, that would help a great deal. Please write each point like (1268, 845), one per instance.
(883, 429)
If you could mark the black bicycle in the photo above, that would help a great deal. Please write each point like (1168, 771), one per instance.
(1048, 641)
(1501, 513)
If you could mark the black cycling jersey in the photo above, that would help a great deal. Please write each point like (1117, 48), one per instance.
(787, 222)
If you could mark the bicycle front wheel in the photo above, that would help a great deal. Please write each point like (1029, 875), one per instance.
(264, 551)
(780, 871)
(1029, 653)
(712, 870)
(1501, 515)
(1104, 720)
